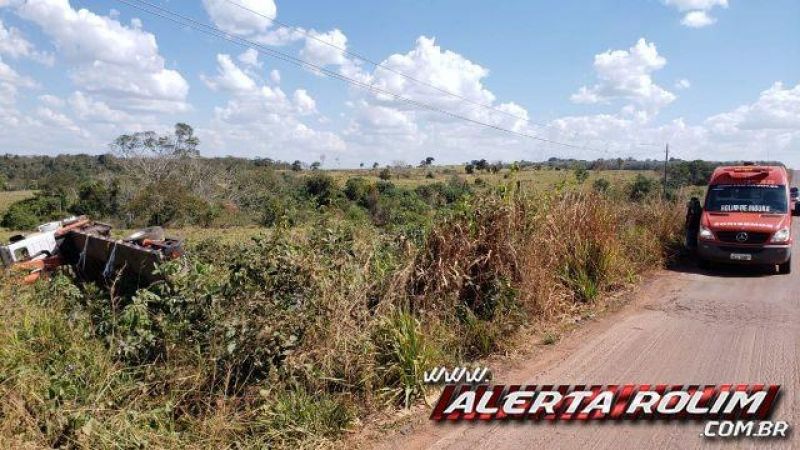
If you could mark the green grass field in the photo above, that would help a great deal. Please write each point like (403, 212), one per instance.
(529, 179)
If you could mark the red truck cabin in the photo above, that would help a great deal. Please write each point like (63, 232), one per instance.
(747, 218)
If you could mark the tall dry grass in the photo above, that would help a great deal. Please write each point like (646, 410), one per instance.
(552, 251)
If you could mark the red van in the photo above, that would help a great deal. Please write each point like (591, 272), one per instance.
(747, 218)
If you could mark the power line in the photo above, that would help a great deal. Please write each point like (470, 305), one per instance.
(216, 32)
(368, 60)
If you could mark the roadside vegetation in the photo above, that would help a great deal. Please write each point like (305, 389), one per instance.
(308, 300)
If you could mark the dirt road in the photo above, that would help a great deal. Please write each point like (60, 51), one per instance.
(684, 327)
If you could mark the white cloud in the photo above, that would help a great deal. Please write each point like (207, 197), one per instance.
(249, 58)
(777, 108)
(697, 11)
(56, 119)
(280, 36)
(8, 94)
(381, 126)
(375, 123)
(261, 120)
(444, 79)
(304, 103)
(252, 17)
(275, 76)
(11, 77)
(229, 77)
(697, 19)
(683, 83)
(14, 45)
(94, 111)
(627, 75)
(325, 49)
(118, 62)
(51, 101)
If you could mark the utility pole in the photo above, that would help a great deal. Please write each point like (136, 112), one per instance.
(666, 163)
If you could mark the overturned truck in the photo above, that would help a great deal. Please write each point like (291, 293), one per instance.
(90, 249)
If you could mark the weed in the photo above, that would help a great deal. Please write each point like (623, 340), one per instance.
(403, 355)
(549, 338)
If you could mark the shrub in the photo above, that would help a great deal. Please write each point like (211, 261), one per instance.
(581, 174)
(361, 191)
(168, 203)
(279, 209)
(641, 188)
(601, 185)
(321, 188)
(441, 194)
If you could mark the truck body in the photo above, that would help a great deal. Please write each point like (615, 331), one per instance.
(89, 247)
(747, 217)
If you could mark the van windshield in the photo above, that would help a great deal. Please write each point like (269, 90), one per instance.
(755, 198)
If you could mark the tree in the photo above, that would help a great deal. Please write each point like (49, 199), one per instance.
(427, 161)
(316, 165)
(297, 166)
(469, 168)
(375, 165)
(480, 164)
(581, 174)
(385, 174)
(184, 142)
(154, 157)
(97, 200)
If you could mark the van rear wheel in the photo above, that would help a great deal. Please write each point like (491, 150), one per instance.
(785, 268)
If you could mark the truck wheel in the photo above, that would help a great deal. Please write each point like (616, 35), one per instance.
(785, 268)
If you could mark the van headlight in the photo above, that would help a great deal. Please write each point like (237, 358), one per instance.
(705, 234)
(781, 236)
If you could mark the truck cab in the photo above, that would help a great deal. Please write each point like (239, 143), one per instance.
(747, 217)
(38, 245)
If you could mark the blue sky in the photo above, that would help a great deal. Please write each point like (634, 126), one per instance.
(716, 78)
